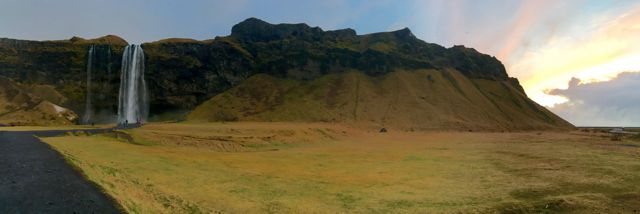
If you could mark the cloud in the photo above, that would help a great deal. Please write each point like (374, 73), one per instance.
(481, 25)
(610, 103)
(595, 47)
(541, 42)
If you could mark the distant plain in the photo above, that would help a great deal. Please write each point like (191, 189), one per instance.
(244, 167)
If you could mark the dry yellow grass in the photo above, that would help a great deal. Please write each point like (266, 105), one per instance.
(410, 100)
(337, 169)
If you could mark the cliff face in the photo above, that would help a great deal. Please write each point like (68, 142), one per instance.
(183, 73)
(62, 65)
(286, 49)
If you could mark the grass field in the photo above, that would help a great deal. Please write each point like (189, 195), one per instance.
(324, 168)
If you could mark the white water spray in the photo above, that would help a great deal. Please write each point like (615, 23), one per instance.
(88, 110)
(133, 103)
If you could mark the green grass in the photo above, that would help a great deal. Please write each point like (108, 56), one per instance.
(361, 172)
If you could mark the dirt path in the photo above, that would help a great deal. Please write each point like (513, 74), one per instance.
(36, 179)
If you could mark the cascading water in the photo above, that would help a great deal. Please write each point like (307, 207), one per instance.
(109, 61)
(132, 100)
(88, 110)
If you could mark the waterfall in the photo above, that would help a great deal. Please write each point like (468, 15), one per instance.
(132, 100)
(88, 110)
(109, 61)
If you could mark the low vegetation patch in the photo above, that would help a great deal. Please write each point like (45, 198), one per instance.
(357, 171)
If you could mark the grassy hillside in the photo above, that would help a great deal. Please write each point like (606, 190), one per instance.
(410, 100)
(22, 104)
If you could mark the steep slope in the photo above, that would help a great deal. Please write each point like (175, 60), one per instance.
(29, 105)
(410, 100)
(184, 73)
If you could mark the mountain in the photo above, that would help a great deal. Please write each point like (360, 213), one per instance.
(185, 74)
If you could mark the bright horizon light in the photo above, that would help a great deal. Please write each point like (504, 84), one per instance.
(592, 53)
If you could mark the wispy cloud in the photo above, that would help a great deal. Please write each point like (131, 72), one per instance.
(528, 13)
(544, 43)
(605, 46)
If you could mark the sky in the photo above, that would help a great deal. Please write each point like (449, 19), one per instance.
(570, 55)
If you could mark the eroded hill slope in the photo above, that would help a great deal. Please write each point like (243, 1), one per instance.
(32, 105)
(425, 99)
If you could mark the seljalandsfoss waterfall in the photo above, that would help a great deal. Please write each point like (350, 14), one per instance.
(88, 109)
(133, 105)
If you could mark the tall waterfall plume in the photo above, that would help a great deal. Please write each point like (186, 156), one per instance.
(88, 109)
(133, 105)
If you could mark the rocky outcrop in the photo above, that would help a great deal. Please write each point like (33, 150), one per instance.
(184, 73)
(61, 66)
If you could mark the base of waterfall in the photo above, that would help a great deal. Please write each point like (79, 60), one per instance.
(129, 125)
